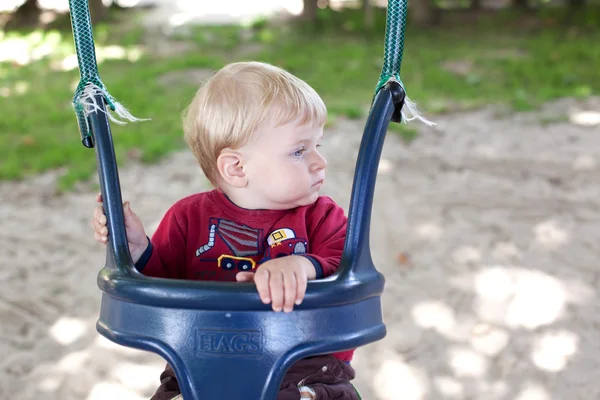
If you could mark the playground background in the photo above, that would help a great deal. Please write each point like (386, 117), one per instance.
(486, 226)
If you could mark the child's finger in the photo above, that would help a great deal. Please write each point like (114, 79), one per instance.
(276, 288)
(99, 228)
(127, 209)
(99, 197)
(244, 276)
(261, 279)
(130, 217)
(289, 292)
(301, 285)
(100, 238)
(99, 215)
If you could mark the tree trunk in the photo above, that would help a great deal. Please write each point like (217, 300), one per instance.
(577, 3)
(309, 13)
(423, 13)
(573, 12)
(475, 5)
(522, 4)
(98, 11)
(26, 16)
(369, 17)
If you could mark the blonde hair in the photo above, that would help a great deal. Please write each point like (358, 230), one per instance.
(229, 107)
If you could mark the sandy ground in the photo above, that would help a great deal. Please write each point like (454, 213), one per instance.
(495, 296)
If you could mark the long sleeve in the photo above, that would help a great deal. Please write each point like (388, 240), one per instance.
(165, 255)
(327, 233)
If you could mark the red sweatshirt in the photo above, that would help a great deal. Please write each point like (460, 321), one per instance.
(207, 237)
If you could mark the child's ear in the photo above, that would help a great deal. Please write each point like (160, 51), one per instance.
(230, 166)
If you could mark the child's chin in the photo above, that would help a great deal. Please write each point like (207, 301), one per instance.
(296, 203)
(310, 198)
(300, 201)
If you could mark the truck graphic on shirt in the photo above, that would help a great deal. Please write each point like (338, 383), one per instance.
(245, 244)
(286, 238)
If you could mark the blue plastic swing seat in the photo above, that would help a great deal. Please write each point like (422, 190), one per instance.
(221, 340)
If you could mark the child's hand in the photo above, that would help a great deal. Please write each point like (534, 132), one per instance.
(136, 235)
(281, 281)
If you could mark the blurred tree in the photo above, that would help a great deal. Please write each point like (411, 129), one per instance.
(98, 10)
(424, 12)
(369, 17)
(475, 5)
(26, 15)
(573, 12)
(577, 3)
(309, 13)
(522, 4)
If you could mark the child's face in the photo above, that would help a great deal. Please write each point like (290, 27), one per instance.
(284, 166)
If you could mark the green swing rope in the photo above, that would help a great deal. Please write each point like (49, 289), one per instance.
(90, 83)
(394, 42)
(392, 56)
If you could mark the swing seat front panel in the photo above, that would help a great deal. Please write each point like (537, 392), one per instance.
(238, 355)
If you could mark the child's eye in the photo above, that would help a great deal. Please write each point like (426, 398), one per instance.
(298, 152)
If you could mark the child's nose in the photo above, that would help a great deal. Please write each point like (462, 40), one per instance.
(319, 162)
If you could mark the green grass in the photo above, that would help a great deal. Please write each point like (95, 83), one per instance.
(406, 132)
(499, 59)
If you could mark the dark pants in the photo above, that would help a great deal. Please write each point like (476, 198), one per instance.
(326, 375)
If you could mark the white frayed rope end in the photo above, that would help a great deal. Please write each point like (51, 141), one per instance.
(410, 112)
(88, 100)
